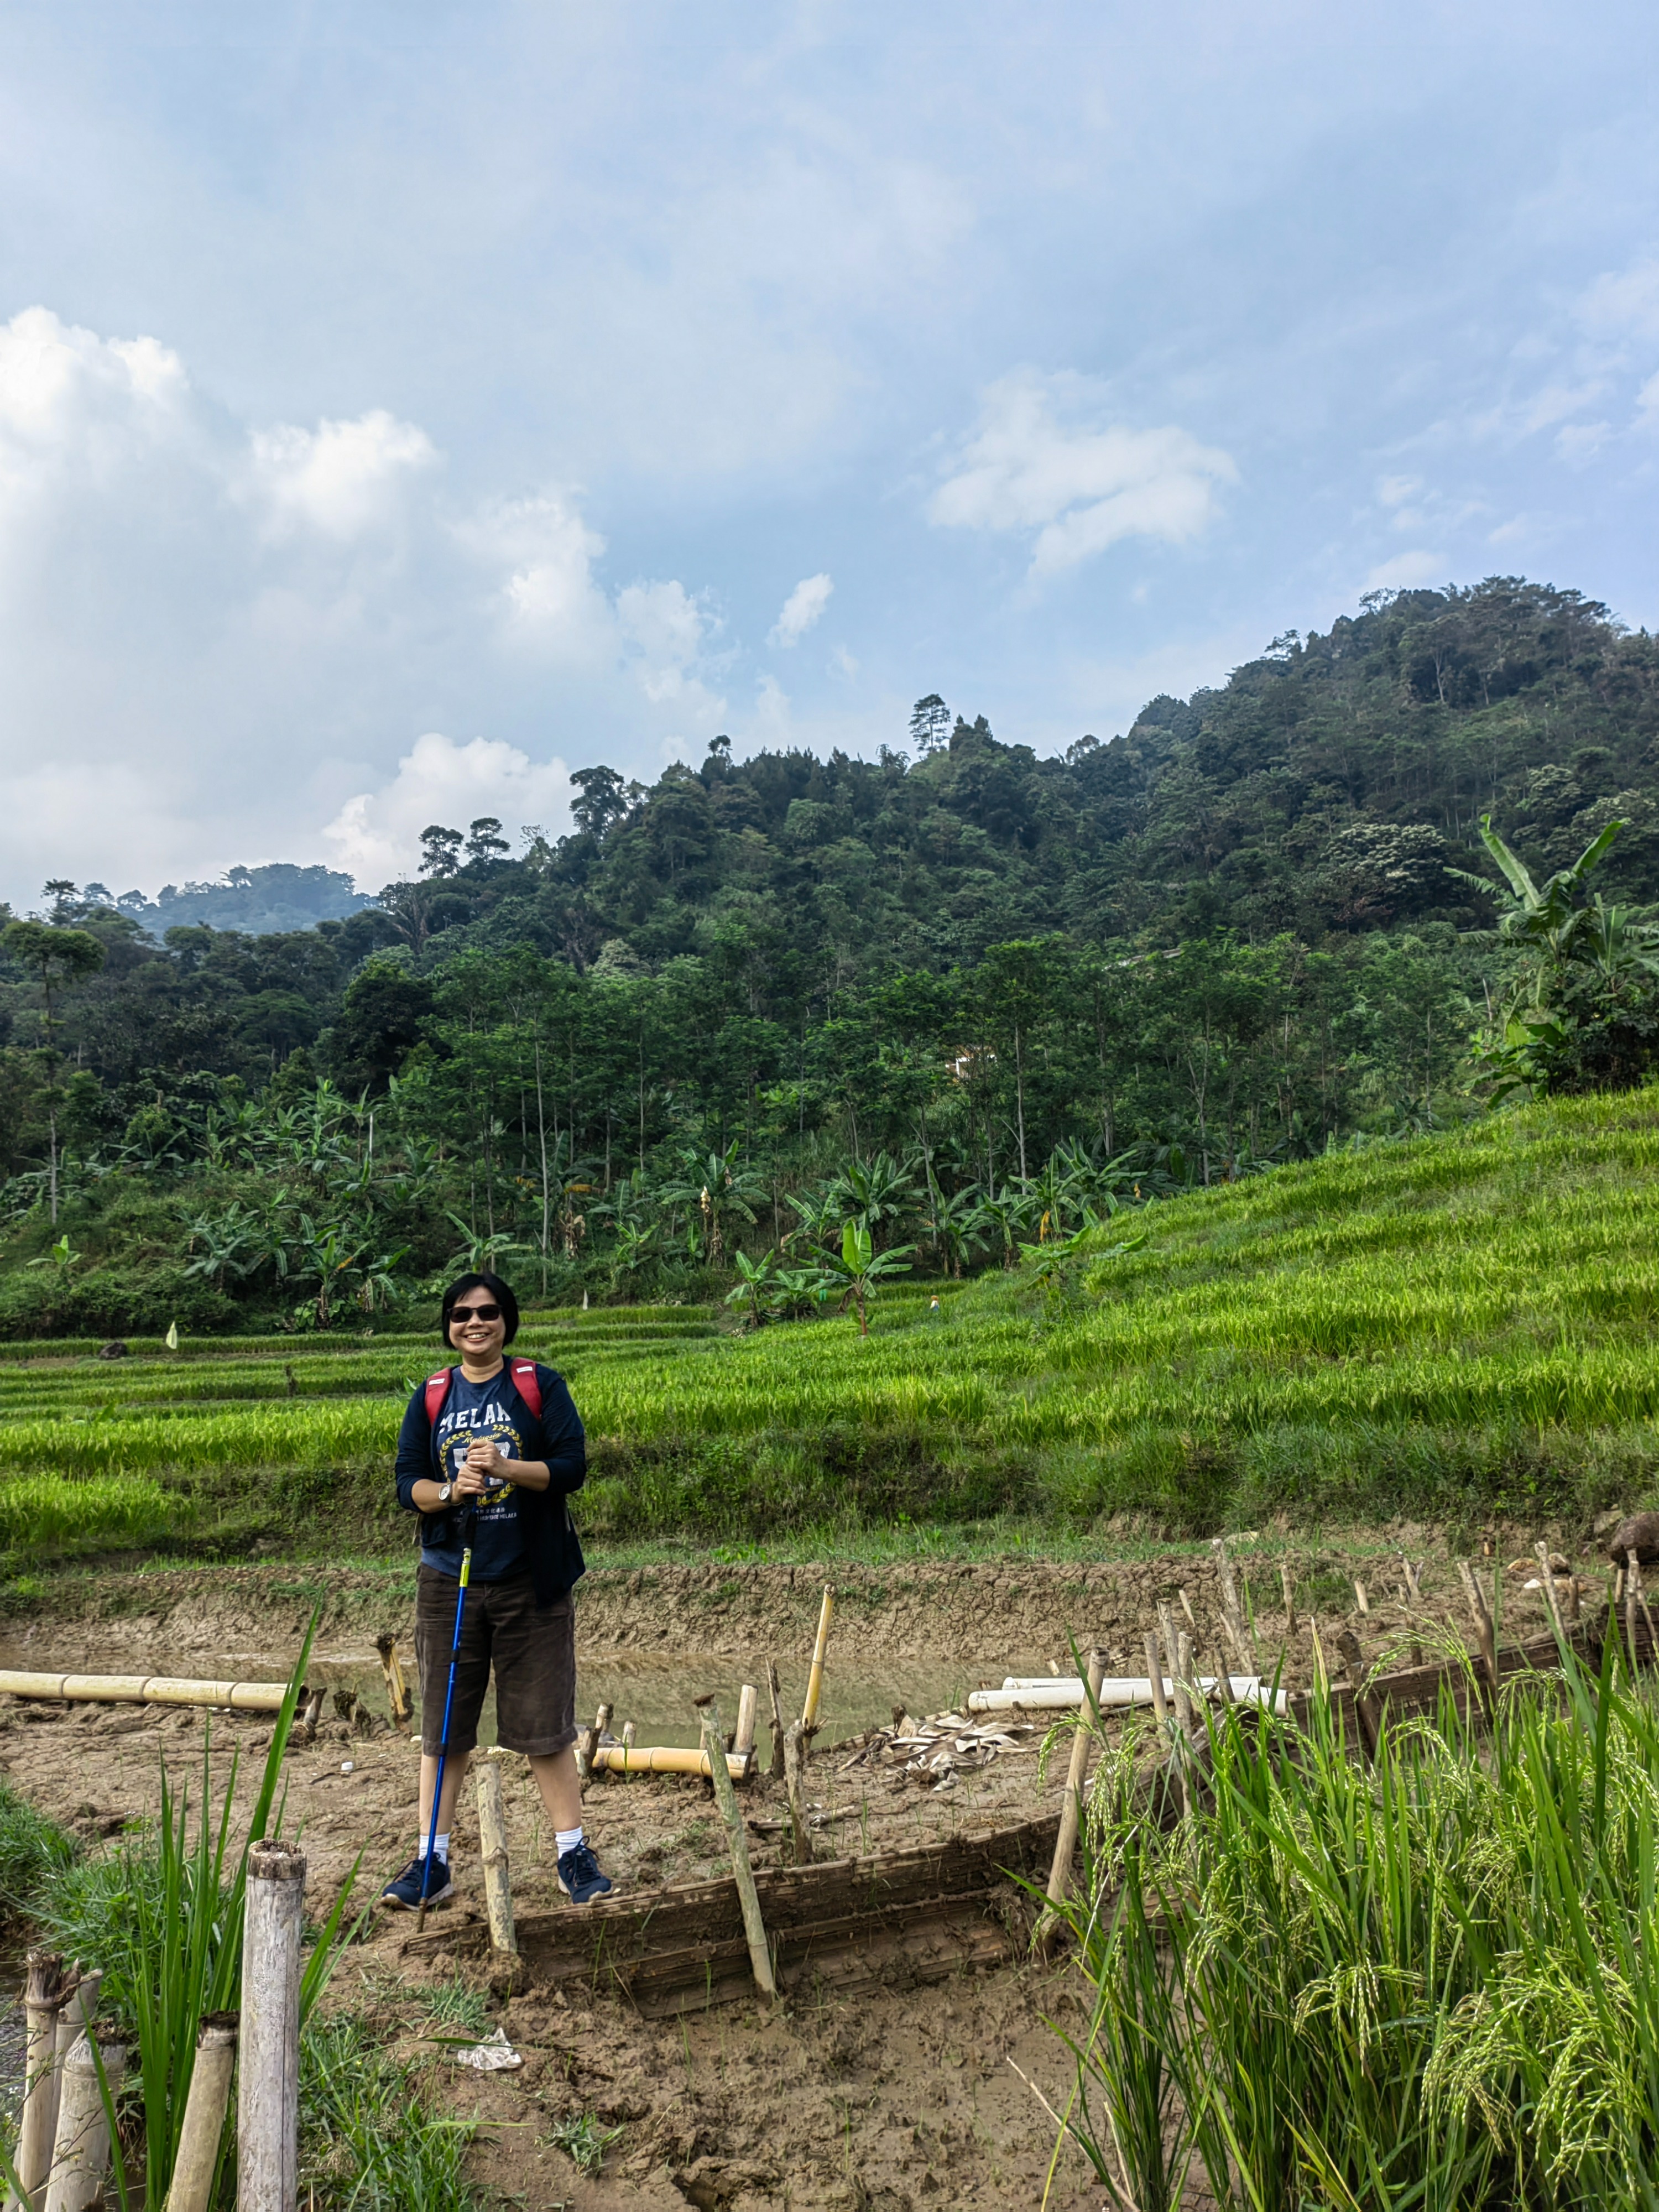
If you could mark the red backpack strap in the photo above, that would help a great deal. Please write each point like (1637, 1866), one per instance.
(437, 1389)
(527, 1383)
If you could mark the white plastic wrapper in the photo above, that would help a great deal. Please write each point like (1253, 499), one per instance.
(494, 2055)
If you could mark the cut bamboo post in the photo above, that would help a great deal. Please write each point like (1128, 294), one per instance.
(1541, 1552)
(794, 1785)
(1187, 1607)
(267, 2105)
(81, 2151)
(1321, 1665)
(1485, 1635)
(773, 1691)
(202, 2129)
(1154, 1675)
(1360, 1598)
(808, 1718)
(1071, 1809)
(587, 1744)
(44, 1994)
(743, 1736)
(310, 1713)
(492, 1850)
(1633, 1586)
(1288, 1588)
(754, 1927)
(660, 1759)
(626, 1744)
(1182, 1672)
(397, 1689)
(1366, 1712)
(1172, 1668)
(1238, 1627)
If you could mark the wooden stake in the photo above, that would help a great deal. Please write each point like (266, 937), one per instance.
(1483, 1627)
(759, 1956)
(43, 2000)
(743, 1736)
(1541, 1552)
(1633, 1586)
(1288, 1588)
(1232, 1612)
(80, 2154)
(1071, 1810)
(1360, 1595)
(1322, 1666)
(1367, 1715)
(205, 2107)
(397, 1689)
(1155, 1669)
(268, 2097)
(775, 1770)
(492, 1850)
(794, 1785)
(587, 1744)
(808, 1718)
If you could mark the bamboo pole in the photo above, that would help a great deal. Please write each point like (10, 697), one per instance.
(1369, 1718)
(759, 1956)
(267, 2106)
(81, 2151)
(1289, 1588)
(203, 2129)
(144, 1689)
(397, 1689)
(808, 1718)
(1232, 1612)
(1485, 1634)
(1541, 1552)
(775, 1769)
(794, 1785)
(662, 1759)
(43, 2000)
(1634, 1585)
(1364, 1603)
(1071, 1810)
(492, 1849)
(743, 1736)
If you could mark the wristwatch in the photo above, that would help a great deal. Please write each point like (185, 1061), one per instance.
(445, 1492)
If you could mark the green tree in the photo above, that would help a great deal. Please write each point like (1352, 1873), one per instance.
(59, 959)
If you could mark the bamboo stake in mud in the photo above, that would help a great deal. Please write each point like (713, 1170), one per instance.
(1541, 1552)
(205, 2107)
(1635, 1592)
(626, 1744)
(1288, 1588)
(268, 2096)
(587, 1744)
(1485, 1634)
(1071, 1810)
(773, 1691)
(1366, 1714)
(1412, 1599)
(743, 1736)
(808, 1718)
(43, 1999)
(754, 1927)
(1161, 1708)
(794, 1785)
(1232, 1612)
(1322, 1666)
(1362, 1602)
(81, 2153)
(492, 1850)
(397, 1689)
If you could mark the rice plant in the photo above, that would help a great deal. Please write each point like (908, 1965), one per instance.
(1428, 1982)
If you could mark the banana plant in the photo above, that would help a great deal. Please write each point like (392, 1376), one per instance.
(857, 1269)
(755, 1286)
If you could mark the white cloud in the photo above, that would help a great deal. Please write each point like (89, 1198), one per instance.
(1407, 570)
(542, 553)
(376, 835)
(803, 607)
(1647, 403)
(1623, 303)
(1080, 488)
(341, 478)
(1395, 491)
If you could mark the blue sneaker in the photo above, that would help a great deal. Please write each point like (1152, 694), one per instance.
(579, 1877)
(405, 1891)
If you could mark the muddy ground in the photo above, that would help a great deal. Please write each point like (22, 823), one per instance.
(898, 2098)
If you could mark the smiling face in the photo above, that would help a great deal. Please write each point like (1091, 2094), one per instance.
(477, 1329)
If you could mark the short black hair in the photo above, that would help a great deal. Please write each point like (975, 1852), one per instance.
(501, 1292)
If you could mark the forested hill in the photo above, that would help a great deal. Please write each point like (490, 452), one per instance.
(1323, 788)
(950, 947)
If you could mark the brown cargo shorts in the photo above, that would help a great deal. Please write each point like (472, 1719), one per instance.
(533, 1654)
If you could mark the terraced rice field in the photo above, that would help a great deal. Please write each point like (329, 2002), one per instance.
(1477, 1305)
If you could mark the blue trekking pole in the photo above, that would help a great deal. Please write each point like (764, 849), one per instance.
(449, 1701)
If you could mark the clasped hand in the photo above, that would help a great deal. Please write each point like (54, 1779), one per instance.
(484, 1467)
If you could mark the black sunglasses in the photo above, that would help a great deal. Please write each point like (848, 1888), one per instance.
(473, 1313)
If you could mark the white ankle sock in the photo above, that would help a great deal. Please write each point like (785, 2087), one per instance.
(566, 1839)
(442, 1847)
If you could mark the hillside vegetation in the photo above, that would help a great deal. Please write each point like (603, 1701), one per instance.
(1445, 1328)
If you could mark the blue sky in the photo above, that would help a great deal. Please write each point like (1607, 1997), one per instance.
(403, 406)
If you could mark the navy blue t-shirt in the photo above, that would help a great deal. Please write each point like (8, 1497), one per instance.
(494, 1410)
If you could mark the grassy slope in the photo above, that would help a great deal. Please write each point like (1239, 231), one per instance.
(1459, 1324)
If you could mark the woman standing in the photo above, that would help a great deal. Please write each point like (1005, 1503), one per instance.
(500, 1446)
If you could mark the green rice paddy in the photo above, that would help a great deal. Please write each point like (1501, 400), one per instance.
(1448, 1325)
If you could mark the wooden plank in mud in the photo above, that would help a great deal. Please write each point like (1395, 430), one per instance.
(1409, 1692)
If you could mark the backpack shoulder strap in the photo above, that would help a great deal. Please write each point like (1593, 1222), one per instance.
(528, 1384)
(437, 1389)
